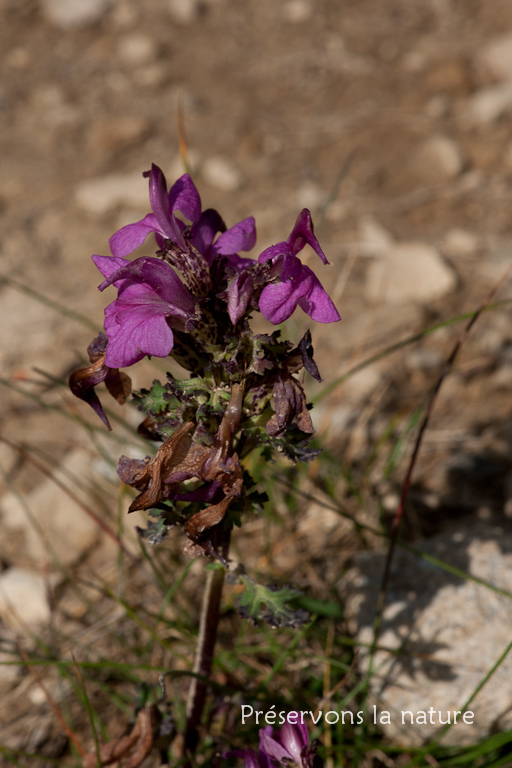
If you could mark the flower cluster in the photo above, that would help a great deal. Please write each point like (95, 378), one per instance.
(193, 301)
(289, 746)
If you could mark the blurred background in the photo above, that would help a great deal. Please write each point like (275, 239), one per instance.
(390, 119)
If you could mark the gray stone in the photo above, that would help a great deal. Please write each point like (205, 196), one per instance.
(310, 195)
(488, 104)
(447, 632)
(297, 11)
(137, 49)
(184, 11)
(409, 272)
(113, 133)
(106, 193)
(460, 242)
(374, 239)
(72, 14)
(23, 598)
(221, 173)
(47, 518)
(438, 158)
(496, 57)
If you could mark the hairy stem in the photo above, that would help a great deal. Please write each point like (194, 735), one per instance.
(207, 636)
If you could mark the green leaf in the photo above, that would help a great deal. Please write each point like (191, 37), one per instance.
(269, 604)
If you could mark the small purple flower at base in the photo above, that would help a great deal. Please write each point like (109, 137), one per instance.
(184, 197)
(290, 746)
(136, 324)
(298, 285)
(251, 758)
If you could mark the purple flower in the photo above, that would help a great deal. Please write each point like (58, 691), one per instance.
(290, 743)
(297, 283)
(150, 297)
(250, 757)
(184, 197)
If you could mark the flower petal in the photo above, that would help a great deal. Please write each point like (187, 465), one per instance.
(204, 230)
(294, 738)
(317, 303)
(241, 237)
(160, 278)
(107, 265)
(303, 233)
(274, 251)
(278, 301)
(239, 295)
(184, 197)
(272, 748)
(136, 326)
(128, 238)
(160, 203)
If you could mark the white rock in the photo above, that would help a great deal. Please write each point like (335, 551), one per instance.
(137, 49)
(438, 158)
(360, 386)
(72, 14)
(450, 632)
(409, 272)
(310, 195)
(184, 11)
(297, 11)
(460, 242)
(52, 516)
(221, 173)
(23, 596)
(374, 238)
(107, 192)
(489, 104)
(496, 57)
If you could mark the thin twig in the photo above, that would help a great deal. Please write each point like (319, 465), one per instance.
(210, 612)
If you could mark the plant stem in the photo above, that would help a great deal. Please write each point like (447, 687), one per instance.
(206, 638)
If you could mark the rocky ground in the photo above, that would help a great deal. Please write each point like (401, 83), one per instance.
(391, 121)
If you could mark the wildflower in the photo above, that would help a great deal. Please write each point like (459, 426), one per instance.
(251, 758)
(297, 283)
(151, 299)
(290, 746)
(184, 197)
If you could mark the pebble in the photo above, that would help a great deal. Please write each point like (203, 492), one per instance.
(496, 57)
(221, 173)
(488, 104)
(452, 631)
(374, 238)
(63, 523)
(111, 134)
(106, 193)
(439, 158)
(184, 11)
(409, 272)
(73, 14)
(310, 195)
(297, 11)
(460, 242)
(23, 597)
(137, 49)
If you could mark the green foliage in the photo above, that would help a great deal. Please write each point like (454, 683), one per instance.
(269, 604)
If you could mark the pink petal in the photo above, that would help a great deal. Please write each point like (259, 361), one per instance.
(128, 238)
